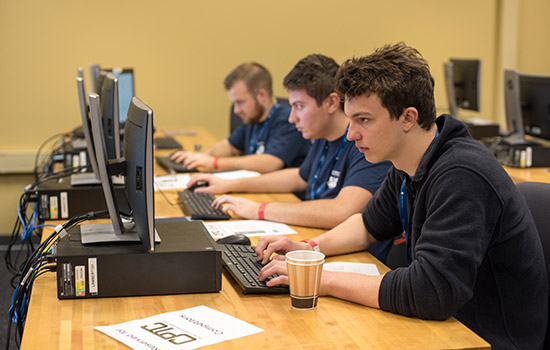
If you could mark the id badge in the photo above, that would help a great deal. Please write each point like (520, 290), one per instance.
(261, 148)
(333, 179)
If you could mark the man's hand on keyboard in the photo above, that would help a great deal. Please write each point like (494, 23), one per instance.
(276, 266)
(245, 208)
(277, 244)
(193, 160)
(216, 184)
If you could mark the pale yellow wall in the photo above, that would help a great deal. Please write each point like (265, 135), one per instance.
(182, 50)
(534, 30)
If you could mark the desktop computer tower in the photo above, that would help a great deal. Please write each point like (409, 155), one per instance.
(59, 200)
(185, 261)
(521, 156)
(482, 130)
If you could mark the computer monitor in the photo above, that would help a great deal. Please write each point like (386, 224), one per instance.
(89, 177)
(99, 81)
(462, 83)
(513, 105)
(94, 75)
(136, 165)
(534, 94)
(109, 115)
(126, 90)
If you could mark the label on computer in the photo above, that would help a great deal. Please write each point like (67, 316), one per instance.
(92, 275)
(63, 197)
(66, 285)
(54, 211)
(80, 280)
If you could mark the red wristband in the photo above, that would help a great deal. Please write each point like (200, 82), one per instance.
(261, 210)
(312, 243)
(216, 159)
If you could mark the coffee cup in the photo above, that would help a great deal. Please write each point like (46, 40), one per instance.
(304, 269)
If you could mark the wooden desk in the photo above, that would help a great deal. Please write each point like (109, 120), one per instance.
(334, 324)
(528, 174)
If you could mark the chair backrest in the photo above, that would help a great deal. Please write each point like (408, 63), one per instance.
(537, 195)
(235, 121)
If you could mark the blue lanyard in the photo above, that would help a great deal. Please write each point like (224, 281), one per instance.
(252, 148)
(403, 212)
(315, 192)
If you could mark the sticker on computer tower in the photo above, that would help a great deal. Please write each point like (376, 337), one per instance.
(54, 211)
(92, 275)
(66, 286)
(64, 198)
(80, 280)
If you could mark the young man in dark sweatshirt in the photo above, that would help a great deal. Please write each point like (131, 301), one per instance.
(473, 246)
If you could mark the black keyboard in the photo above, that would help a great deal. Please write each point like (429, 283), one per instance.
(167, 143)
(199, 206)
(169, 165)
(241, 262)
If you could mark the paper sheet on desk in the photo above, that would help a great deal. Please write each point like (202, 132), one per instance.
(361, 268)
(179, 181)
(185, 329)
(248, 228)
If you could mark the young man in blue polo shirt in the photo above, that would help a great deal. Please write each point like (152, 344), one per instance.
(335, 177)
(265, 142)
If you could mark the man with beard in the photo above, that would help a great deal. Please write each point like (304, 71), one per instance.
(265, 142)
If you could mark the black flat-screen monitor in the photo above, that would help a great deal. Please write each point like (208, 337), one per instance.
(109, 115)
(514, 109)
(534, 95)
(136, 165)
(462, 83)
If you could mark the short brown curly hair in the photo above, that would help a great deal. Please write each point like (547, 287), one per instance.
(315, 74)
(398, 75)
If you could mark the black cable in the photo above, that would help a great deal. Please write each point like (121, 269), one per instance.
(38, 263)
(35, 170)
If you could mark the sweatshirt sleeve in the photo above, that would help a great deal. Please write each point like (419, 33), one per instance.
(448, 247)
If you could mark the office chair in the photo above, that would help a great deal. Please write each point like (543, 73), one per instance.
(537, 195)
(235, 121)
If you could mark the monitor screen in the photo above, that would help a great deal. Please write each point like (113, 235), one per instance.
(109, 115)
(137, 166)
(534, 94)
(125, 90)
(462, 80)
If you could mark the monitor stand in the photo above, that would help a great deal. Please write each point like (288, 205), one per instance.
(518, 140)
(105, 233)
(86, 179)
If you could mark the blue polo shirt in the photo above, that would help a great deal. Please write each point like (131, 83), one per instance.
(351, 169)
(275, 136)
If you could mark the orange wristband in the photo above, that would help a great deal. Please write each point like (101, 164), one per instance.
(216, 159)
(261, 210)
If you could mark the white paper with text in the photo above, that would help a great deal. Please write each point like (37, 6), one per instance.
(185, 329)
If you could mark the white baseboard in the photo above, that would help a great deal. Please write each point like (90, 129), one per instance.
(17, 162)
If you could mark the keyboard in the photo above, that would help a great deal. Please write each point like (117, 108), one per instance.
(199, 206)
(167, 143)
(170, 165)
(241, 262)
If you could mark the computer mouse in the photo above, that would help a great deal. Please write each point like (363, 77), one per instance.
(198, 184)
(234, 239)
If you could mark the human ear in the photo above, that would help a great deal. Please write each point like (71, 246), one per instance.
(333, 102)
(409, 118)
